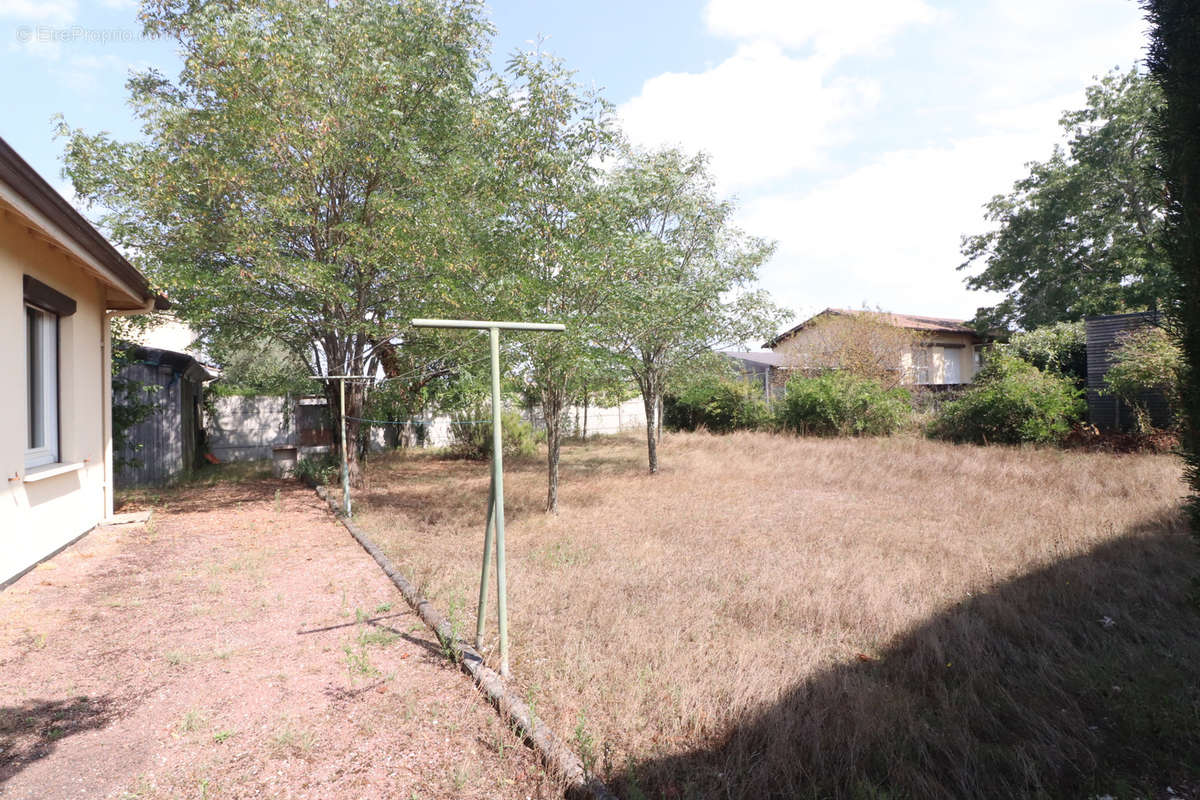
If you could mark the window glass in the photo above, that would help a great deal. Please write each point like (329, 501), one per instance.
(41, 375)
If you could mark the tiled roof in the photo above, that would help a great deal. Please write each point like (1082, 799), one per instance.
(911, 321)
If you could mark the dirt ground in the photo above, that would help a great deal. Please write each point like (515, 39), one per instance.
(240, 644)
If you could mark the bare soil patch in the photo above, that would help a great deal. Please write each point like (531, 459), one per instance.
(239, 645)
(776, 616)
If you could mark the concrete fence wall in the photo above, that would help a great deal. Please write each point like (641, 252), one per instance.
(247, 428)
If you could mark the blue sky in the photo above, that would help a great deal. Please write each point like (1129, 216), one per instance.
(863, 138)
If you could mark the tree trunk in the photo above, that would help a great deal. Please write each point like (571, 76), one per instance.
(658, 408)
(355, 395)
(650, 402)
(355, 400)
(552, 409)
(585, 413)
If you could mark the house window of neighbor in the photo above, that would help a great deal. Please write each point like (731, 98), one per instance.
(921, 365)
(41, 343)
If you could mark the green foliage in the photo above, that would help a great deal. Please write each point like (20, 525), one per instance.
(548, 257)
(1174, 63)
(318, 470)
(1145, 361)
(716, 404)
(684, 278)
(1060, 347)
(473, 438)
(307, 178)
(260, 368)
(1010, 402)
(1081, 234)
(839, 403)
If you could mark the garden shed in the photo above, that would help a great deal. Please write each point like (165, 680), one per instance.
(1103, 337)
(165, 444)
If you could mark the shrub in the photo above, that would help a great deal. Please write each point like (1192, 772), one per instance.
(1145, 361)
(472, 438)
(843, 404)
(319, 469)
(718, 404)
(1011, 402)
(1061, 348)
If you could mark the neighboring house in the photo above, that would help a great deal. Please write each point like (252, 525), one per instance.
(767, 370)
(165, 444)
(60, 283)
(939, 352)
(1107, 411)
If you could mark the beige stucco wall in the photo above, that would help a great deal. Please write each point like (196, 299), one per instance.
(805, 340)
(36, 518)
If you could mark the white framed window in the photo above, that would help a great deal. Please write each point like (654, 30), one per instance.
(921, 365)
(41, 385)
(951, 368)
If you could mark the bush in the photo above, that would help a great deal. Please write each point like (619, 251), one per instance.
(842, 404)
(1061, 348)
(1145, 361)
(1011, 402)
(319, 470)
(473, 438)
(717, 404)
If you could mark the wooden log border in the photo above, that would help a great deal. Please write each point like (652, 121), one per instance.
(559, 760)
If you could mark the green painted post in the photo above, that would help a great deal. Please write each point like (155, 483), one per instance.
(483, 577)
(495, 521)
(498, 486)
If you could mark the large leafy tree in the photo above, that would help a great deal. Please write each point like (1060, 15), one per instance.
(683, 275)
(1174, 63)
(302, 181)
(1080, 234)
(550, 248)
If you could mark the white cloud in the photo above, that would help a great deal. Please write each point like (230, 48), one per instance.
(761, 113)
(45, 12)
(888, 233)
(84, 74)
(830, 28)
(869, 171)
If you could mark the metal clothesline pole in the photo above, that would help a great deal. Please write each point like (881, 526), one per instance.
(495, 514)
(341, 379)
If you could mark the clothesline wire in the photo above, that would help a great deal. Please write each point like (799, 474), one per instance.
(419, 421)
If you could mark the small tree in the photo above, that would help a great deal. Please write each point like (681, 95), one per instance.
(1145, 361)
(684, 274)
(548, 254)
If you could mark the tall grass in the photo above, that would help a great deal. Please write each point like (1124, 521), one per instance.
(776, 616)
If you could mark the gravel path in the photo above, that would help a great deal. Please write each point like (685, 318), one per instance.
(238, 645)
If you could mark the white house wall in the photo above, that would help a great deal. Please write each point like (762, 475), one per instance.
(39, 517)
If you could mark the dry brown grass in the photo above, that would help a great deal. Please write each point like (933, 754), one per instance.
(773, 616)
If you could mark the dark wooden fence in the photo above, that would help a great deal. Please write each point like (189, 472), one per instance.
(1103, 337)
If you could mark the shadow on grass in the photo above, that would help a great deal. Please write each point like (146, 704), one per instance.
(32, 730)
(1081, 679)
